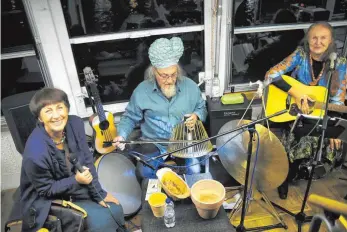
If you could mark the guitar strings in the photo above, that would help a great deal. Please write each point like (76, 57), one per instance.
(107, 135)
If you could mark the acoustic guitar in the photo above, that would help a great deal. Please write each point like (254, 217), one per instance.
(102, 122)
(278, 100)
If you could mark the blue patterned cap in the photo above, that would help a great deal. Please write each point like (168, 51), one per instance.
(164, 52)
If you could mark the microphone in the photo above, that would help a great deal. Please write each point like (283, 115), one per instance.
(332, 58)
(143, 161)
(74, 161)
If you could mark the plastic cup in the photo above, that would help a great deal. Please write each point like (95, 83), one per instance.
(157, 203)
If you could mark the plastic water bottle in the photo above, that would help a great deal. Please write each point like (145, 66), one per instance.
(169, 215)
(215, 89)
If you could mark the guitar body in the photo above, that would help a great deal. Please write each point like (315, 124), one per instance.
(278, 100)
(104, 131)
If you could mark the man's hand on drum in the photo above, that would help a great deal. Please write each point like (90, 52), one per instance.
(85, 177)
(191, 121)
(109, 198)
(117, 144)
(335, 144)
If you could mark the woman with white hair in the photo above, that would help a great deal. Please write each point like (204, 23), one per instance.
(309, 64)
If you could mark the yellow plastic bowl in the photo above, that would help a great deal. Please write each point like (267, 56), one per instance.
(174, 186)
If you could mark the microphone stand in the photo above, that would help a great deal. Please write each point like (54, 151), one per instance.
(301, 217)
(243, 127)
(251, 128)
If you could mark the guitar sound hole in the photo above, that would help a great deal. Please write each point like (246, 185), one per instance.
(104, 125)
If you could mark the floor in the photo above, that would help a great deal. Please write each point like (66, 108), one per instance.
(331, 186)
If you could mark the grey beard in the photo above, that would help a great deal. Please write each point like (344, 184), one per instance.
(169, 92)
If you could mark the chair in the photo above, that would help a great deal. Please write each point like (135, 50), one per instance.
(20, 123)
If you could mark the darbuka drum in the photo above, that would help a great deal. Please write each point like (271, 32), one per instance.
(117, 176)
(272, 163)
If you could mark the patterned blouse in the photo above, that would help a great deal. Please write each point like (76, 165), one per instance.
(299, 64)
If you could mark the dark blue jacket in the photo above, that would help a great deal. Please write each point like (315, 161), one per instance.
(45, 177)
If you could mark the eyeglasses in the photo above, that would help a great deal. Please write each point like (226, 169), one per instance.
(166, 76)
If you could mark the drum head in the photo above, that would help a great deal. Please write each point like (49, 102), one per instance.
(117, 176)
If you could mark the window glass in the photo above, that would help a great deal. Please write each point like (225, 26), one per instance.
(107, 16)
(256, 53)
(15, 30)
(120, 64)
(20, 75)
(256, 12)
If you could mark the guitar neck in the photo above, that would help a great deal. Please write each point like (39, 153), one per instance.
(332, 107)
(98, 104)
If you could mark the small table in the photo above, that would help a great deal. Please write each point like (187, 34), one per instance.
(187, 218)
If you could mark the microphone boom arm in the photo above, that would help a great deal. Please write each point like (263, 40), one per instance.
(219, 135)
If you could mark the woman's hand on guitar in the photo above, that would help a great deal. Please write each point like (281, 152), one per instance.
(85, 177)
(117, 144)
(301, 99)
(109, 198)
(335, 144)
(303, 103)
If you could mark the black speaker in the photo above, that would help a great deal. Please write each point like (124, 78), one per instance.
(219, 114)
(19, 119)
(314, 14)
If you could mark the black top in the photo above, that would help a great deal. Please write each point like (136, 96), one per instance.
(317, 67)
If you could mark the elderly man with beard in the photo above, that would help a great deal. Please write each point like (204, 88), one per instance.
(160, 102)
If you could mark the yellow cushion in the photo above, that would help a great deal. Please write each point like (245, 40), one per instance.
(232, 98)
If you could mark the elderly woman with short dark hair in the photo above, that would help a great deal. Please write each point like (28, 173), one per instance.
(47, 173)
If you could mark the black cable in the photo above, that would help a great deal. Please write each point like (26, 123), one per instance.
(120, 226)
(134, 225)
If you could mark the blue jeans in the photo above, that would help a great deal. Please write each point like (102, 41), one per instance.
(99, 218)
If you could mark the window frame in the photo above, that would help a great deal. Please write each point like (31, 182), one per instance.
(48, 20)
(19, 54)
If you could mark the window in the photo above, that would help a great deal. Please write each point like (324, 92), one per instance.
(251, 13)
(112, 37)
(20, 75)
(267, 31)
(20, 71)
(15, 30)
(107, 16)
(120, 64)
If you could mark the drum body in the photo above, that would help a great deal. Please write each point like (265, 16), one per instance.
(117, 176)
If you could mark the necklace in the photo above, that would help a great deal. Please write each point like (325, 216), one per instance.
(61, 140)
(314, 79)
